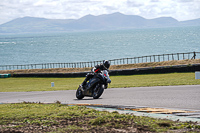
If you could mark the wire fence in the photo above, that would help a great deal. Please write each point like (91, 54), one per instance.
(134, 60)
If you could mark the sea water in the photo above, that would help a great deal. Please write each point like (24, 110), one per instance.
(36, 48)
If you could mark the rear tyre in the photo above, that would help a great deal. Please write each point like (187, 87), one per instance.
(79, 94)
(98, 91)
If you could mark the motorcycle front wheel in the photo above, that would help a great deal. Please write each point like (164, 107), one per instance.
(98, 91)
(79, 94)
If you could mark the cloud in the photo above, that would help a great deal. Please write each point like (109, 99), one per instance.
(73, 9)
(179, 9)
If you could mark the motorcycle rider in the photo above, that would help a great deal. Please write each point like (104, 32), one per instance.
(97, 69)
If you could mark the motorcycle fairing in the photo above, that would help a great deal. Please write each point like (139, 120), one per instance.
(91, 84)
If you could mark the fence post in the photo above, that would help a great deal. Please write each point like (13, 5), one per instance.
(168, 57)
(163, 57)
(178, 55)
(150, 58)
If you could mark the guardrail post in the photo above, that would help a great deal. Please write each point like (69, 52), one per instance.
(163, 57)
(178, 55)
(150, 58)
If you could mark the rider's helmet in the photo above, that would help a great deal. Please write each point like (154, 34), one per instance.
(106, 64)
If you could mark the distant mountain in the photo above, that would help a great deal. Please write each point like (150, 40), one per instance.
(31, 24)
(89, 22)
(195, 22)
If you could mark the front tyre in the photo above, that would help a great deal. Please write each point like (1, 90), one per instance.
(98, 91)
(79, 94)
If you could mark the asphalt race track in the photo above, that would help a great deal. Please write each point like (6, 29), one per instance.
(179, 97)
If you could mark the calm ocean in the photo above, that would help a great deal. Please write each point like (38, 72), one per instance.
(20, 49)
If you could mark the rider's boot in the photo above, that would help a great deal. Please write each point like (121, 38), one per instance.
(83, 85)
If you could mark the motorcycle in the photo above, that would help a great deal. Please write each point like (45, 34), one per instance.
(95, 86)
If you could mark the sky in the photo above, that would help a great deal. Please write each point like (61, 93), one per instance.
(74, 9)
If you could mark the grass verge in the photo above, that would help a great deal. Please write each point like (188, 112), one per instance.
(44, 84)
(35, 117)
(112, 67)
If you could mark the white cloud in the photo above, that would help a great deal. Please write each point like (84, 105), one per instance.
(67, 9)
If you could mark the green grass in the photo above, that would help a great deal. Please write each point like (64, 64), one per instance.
(38, 84)
(44, 84)
(154, 80)
(68, 118)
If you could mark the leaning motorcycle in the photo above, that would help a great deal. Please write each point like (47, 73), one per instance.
(95, 86)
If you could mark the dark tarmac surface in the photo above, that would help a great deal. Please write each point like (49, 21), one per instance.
(178, 103)
(178, 97)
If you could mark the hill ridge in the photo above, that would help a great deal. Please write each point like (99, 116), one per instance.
(90, 22)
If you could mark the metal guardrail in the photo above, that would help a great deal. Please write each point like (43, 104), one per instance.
(157, 58)
(134, 60)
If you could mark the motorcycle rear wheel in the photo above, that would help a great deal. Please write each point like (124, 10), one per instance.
(79, 94)
(98, 92)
